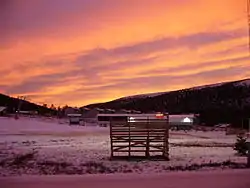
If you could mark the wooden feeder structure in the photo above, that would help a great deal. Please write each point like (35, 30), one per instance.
(140, 136)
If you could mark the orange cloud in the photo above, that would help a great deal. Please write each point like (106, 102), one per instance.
(98, 51)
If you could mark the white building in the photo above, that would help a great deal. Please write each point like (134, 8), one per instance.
(182, 119)
(104, 119)
(174, 120)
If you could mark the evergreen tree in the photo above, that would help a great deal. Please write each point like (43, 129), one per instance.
(241, 145)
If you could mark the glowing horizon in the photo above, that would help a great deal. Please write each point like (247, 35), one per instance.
(81, 52)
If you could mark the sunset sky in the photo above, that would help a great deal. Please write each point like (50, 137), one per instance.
(78, 52)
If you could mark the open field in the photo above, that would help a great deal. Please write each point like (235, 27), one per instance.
(40, 146)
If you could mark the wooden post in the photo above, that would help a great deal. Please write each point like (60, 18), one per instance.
(248, 155)
(111, 139)
(147, 140)
(249, 126)
(129, 137)
(166, 144)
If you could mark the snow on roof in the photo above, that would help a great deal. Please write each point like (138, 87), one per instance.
(136, 111)
(124, 110)
(222, 125)
(111, 110)
(2, 108)
(85, 108)
(182, 118)
(100, 109)
(74, 115)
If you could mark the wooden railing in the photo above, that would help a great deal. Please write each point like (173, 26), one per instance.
(145, 138)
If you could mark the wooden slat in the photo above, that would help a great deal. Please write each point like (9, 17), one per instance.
(138, 134)
(140, 131)
(138, 146)
(111, 141)
(149, 135)
(137, 128)
(122, 141)
(122, 147)
(135, 136)
(138, 151)
(125, 141)
(138, 139)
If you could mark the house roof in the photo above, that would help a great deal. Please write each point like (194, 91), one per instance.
(74, 115)
(2, 108)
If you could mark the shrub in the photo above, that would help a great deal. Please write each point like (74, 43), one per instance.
(22, 159)
(241, 145)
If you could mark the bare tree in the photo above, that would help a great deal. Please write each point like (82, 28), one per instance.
(21, 99)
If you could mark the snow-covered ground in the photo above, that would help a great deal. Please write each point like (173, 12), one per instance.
(205, 179)
(43, 146)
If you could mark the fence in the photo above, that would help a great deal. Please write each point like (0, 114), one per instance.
(140, 138)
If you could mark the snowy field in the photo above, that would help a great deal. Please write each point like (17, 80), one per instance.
(46, 146)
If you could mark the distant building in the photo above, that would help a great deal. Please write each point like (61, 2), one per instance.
(135, 112)
(91, 113)
(27, 112)
(3, 110)
(74, 119)
(71, 110)
(110, 111)
(105, 119)
(183, 121)
(123, 111)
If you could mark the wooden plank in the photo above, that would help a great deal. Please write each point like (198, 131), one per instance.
(137, 136)
(132, 145)
(117, 148)
(139, 140)
(121, 138)
(120, 130)
(158, 147)
(146, 136)
(122, 141)
(166, 144)
(144, 130)
(138, 151)
(132, 133)
(135, 124)
(111, 140)
(137, 133)
(138, 144)
(129, 147)
(138, 129)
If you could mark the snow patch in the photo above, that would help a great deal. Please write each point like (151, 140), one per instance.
(89, 151)
(243, 83)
